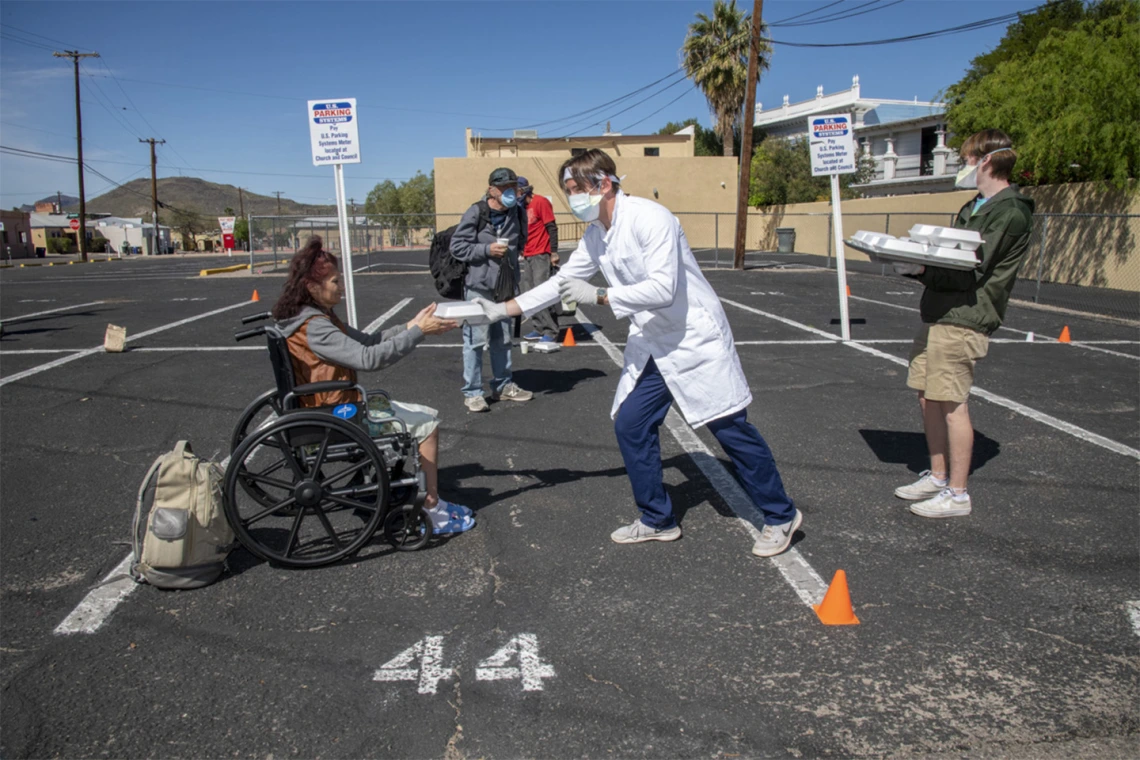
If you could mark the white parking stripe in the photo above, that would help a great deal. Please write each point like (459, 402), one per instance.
(1133, 609)
(800, 575)
(1033, 414)
(51, 311)
(88, 351)
(386, 315)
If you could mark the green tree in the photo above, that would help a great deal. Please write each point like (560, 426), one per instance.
(715, 57)
(707, 142)
(781, 174)
(189, 225)
(1071, 106)
(401, 208)
(241, 230)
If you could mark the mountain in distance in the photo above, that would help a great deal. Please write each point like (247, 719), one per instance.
(67, 200)
(133, 199)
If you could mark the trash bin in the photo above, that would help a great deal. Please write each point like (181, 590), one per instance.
(785, 239)
(40, 252)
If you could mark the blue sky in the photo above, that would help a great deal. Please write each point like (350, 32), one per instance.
(226, 83)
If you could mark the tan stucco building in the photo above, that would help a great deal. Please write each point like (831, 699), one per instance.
(662, 167)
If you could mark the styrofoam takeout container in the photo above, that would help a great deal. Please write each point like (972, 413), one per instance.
(459, 311)
(946, 237)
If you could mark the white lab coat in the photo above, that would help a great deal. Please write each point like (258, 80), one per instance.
(675, 316)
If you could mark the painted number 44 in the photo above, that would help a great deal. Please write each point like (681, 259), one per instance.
(516, 660)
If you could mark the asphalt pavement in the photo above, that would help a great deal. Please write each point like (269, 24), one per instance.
(1014, 632)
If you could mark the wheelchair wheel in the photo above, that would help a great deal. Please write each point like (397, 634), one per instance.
(306, 490)
(407, 528)
(260, 412)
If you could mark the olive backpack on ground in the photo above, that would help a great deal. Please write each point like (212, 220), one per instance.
(180, 534)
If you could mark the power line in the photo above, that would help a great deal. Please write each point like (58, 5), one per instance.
(996, 20)
(850, 13)
(33, 34)
(805, 13)
(831, 16)
(659, 110)
(635, 105)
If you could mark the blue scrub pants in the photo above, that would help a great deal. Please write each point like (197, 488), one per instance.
(636, 427)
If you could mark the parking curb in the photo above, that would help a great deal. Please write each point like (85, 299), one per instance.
(223, 270)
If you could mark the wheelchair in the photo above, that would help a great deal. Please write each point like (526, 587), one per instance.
(306, 487)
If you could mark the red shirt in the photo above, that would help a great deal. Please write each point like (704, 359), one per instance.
(538, 214)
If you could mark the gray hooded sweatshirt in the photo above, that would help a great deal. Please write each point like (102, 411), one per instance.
(473, 246)
(353, 348)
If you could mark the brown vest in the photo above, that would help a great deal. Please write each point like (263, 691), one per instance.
(310, 368)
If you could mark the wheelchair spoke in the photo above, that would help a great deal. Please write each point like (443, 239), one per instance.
(287, 452)
(327, 484)
(258, 477)
(270, 510)
(294, 531)
(329, 528)
(315, 470)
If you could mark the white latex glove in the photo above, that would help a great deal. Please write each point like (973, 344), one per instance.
(577, 290)
(904, 268)
(494, 312)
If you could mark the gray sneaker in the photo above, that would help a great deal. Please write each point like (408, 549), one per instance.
(637, 531)
(923, 488)
(775, 539)
(512, 392)
(476, 404)
(943, 505)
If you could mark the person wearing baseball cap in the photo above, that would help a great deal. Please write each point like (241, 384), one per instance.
(489, 239)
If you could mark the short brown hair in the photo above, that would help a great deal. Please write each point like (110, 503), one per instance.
(979, 144)
(586, 169)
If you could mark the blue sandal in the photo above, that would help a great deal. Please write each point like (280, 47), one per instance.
(454, 525)
(455, 510)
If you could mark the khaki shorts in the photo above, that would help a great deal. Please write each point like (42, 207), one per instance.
(942, 361)
(420, 420)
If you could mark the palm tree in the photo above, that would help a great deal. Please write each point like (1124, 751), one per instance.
(715, 57)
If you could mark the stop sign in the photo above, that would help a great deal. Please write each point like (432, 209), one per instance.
(74, 224)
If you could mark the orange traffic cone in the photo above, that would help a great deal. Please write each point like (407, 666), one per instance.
(569, 339)
(1065, 335)
(836, 606)
(256, 297)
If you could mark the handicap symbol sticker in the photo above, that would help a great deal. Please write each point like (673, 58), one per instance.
(345, 411)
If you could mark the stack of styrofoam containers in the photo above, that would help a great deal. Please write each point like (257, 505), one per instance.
(927, 244)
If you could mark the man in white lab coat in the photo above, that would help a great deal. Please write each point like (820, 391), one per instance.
(680, 348)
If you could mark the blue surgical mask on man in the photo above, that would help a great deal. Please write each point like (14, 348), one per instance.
(508, 197)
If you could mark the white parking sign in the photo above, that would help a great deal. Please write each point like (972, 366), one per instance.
(832, 144)
(333, 129)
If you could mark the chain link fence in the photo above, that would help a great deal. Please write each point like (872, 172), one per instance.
(1081, 262)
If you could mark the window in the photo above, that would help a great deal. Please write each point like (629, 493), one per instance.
(575, 152)
(653, 151)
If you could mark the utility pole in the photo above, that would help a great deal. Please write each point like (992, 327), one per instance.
(746, 137)
(75, 55)
(278, 194)
(58, 202)
(153, 189)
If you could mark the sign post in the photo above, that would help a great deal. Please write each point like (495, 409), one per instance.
(832, 146)
(335, 136)
(226, 223)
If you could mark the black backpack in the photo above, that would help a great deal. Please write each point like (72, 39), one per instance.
(448, 271)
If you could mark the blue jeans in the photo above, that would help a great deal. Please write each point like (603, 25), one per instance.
(497, 337)
(636, 427)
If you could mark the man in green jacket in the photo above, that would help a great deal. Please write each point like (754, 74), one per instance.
(960, 310)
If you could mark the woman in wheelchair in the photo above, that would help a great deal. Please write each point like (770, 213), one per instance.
(323, 348)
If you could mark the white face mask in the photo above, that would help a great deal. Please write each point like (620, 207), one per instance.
(585, 206)
(967, 178)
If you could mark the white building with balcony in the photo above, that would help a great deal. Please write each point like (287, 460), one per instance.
(907, 138)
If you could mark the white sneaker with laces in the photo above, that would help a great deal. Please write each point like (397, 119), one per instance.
(512, 392)
(923, 488)
(637, 531)
(943, 505)
(775, 539)
(476, 404)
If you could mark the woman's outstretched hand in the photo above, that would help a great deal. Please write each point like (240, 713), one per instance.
(430, 324)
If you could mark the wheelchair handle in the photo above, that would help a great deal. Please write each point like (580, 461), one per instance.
(240, 336)
(256, 317)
